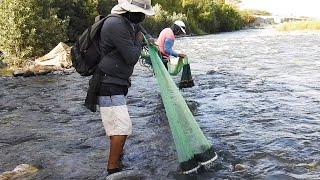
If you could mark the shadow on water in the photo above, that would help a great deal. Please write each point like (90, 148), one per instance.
(257, 100)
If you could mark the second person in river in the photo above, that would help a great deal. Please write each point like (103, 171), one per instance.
(166, 40)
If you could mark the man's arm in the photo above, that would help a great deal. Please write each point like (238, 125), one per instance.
(150, 39)
(126, 45)
(145, 33)
(168, 44)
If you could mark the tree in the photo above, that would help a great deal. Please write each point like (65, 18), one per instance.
(28, 28)
(81, 13)
(104, 6)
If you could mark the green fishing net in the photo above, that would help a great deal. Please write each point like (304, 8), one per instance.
(192, 147)
(175, 68)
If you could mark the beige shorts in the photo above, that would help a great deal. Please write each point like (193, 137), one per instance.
(114, 115)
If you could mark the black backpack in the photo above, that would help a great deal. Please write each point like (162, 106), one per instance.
(85, 55)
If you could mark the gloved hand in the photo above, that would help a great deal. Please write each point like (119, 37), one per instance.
(182, 55)
(151, 41)
(140, 37)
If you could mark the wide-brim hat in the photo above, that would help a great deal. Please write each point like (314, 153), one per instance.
(143, 6)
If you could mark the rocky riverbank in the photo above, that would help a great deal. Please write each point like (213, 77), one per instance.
(263, 21)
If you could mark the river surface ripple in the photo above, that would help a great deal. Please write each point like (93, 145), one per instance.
(257, 100)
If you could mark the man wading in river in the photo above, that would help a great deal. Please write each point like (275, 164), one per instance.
(121, 42)
(165, 42)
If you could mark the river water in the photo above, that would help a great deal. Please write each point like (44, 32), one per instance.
(257, 100)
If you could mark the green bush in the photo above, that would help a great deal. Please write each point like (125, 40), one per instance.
(229, 17)
(31, 27)
(161, 20)
(247, 17)
(28, 28)
(169, 5)
(211, 16)
(80, 14)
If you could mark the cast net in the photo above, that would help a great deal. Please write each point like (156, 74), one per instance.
(192, 147)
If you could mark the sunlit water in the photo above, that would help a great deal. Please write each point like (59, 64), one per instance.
(257, 100)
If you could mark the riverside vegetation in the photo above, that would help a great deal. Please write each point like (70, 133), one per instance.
(35, 27)
(300, 26)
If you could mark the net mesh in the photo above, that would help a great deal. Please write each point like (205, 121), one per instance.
(175, 68)
(188, 137)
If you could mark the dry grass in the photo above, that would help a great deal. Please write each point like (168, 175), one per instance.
(299, 26)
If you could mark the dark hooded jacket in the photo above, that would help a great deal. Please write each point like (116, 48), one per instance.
(120, 51)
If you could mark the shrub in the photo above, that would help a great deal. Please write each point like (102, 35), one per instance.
(161, 20)
(104, 6)
(299, 26)
(28, 28)
(247, 17)
(229, 18)
(81, 13)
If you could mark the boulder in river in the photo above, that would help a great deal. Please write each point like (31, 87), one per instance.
(18, 72)
(58, 59)
(240, 168)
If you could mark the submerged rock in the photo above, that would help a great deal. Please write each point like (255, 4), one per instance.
(132, 175)
(310, 166)
(23, 171)
(240, 168)
(214, 70)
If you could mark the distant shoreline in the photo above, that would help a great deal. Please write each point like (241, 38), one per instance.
(299, 26)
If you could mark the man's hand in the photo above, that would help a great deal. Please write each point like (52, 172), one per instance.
(182, 55)
(151, 41)
(140, 37)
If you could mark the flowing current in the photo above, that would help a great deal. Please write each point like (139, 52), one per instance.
(256, 98)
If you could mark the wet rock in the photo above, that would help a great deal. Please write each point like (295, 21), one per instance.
(240, 168)
(279, 177)
(58, 57)
(214, 70)
(263, 21)
(18, 73)
(68, 71)
(58, 73)
(35, 70)
(310, 166)
(41, 72)
(28, 73)
(132, 175)
(2, 64)
(23, 171)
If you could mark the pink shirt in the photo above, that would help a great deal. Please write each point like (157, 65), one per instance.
(166, 33)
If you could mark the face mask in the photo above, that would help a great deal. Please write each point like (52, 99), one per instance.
(136, 17)
(176, 30)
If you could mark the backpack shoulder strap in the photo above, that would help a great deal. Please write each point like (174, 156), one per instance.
(125, 20)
